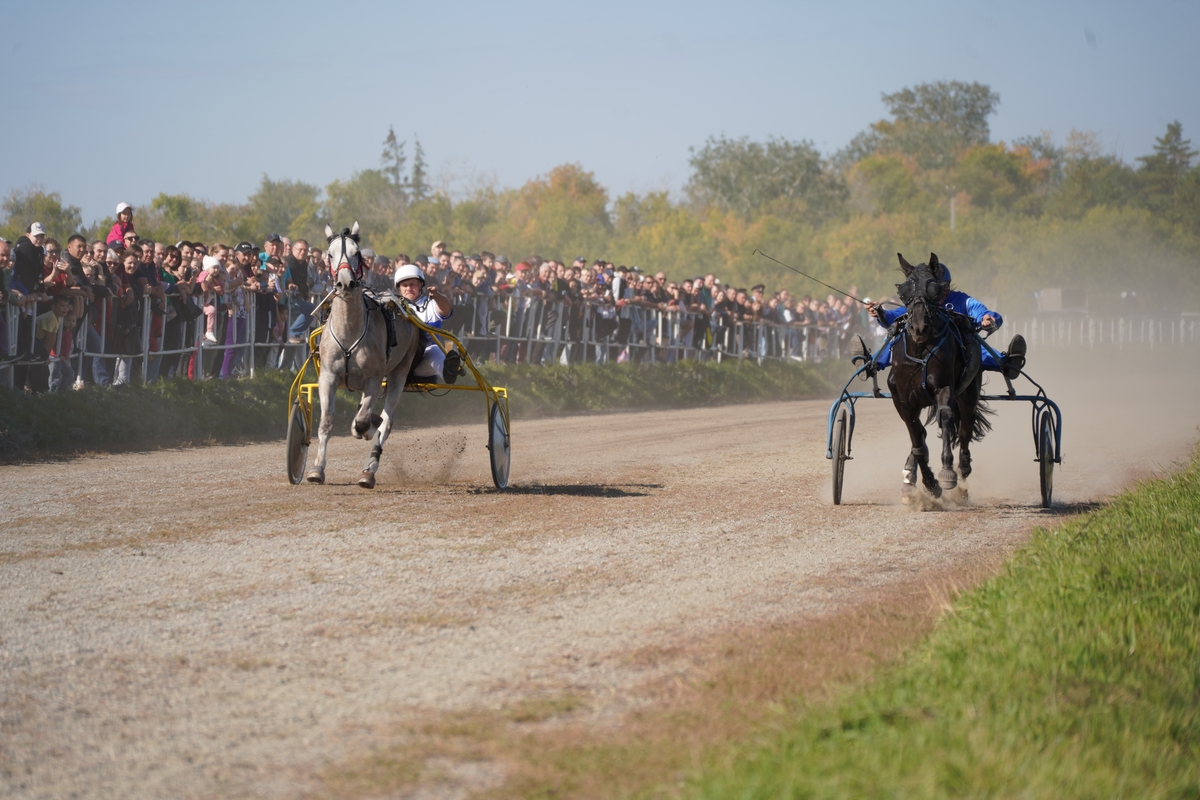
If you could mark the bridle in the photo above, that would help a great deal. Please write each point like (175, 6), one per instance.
(339, 292)
(934, 317)
(355, 271)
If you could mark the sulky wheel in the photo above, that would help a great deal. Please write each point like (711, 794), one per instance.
(297, 444)
(839, 455)
(1045, 445)
(498, 445)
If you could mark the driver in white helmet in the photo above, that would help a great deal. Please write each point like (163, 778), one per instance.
(432, 308)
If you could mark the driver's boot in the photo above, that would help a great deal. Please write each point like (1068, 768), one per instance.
(861, 354)
(452, 367)
(1014, 357)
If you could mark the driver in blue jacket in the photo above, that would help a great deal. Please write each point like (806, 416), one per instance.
(1010, 362)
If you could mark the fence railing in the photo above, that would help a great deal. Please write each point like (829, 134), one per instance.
(1128, 331)
(518, 329)
(527, 329)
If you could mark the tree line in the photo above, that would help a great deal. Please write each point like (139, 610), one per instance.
(1028, 214)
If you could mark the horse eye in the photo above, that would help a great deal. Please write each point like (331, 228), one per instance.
(931, 291)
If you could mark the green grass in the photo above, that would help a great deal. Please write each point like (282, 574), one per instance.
(1075, 673)
(179, 412)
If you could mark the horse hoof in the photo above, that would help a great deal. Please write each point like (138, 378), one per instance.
(367, 480)
(316, 476)
(948, 479)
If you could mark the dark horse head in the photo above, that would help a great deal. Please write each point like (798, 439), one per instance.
(922, 291)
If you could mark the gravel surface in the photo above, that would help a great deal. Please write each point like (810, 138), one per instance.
(186, 624)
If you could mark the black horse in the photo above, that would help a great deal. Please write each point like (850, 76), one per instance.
(936, 365)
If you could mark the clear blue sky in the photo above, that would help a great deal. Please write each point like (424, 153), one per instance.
(120, 101)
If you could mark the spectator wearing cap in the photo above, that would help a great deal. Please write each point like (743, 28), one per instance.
(273, 246)
(123, 225)
(26, 286)
(210, 284)
(437, 249)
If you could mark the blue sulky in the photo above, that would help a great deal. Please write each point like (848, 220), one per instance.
(1046, 417)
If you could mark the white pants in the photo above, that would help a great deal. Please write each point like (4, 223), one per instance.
(431, 363)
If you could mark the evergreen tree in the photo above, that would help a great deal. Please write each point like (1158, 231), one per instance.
(393, 160)
(1162, 173)
(417, 184)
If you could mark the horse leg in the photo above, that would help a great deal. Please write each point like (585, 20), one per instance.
(394, 391)
(948, 422)
(966, 415)
(918, 459)
(365, 423)
(325, 390)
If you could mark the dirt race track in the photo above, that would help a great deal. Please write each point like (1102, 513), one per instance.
(186, 624)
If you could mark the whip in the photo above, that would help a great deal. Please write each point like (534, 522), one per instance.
(810, 277)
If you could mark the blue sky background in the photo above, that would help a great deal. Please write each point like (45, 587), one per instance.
(120, 101)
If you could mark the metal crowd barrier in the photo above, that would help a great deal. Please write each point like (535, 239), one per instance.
(516, 329)
(526, 329)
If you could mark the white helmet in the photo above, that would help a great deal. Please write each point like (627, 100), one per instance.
(407, 272)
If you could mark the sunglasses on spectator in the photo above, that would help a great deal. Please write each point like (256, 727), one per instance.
(131, 238)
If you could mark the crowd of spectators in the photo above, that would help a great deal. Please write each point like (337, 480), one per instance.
(608, 291)
(96, 297)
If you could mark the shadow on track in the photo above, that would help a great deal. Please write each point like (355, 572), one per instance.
(577, 490)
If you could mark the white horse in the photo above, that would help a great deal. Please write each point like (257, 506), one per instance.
(354, 354)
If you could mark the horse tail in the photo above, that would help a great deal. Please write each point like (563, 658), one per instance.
(980, 425)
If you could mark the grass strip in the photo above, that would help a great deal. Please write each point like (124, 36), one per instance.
(1073, 673)
(177, 412)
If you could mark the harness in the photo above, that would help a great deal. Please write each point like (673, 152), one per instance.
(356, 272)
(347, 351)
(949, 330)
(939, 338)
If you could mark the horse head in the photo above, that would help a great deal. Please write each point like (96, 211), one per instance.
(922, 291)
(343, 253)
